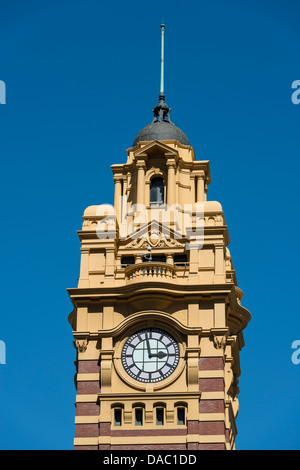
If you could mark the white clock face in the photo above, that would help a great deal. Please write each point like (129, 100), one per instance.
(150, 355)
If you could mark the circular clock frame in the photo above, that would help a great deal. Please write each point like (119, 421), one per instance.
(149, 385)
(150, 355)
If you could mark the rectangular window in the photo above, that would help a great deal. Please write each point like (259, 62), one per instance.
(118, 417)
(139, 417)
(180, 260)
(181, 416)
(159, 258)
(159, 416)
(127, 261)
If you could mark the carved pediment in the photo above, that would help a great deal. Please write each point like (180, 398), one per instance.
(155, 234)
(155, 148)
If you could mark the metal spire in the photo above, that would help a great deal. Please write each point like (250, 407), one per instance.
(162, 59)
(162, 110)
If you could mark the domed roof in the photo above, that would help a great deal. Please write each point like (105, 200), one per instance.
(161, 128)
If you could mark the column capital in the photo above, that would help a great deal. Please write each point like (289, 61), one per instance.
(118, 178)
(141, 163)
(171, 163)
(199, 173)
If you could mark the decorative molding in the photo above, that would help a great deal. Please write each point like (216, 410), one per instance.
(220, 341)
(81, 345)
(159, 242)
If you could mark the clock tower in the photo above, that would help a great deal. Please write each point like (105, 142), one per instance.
(157, 319)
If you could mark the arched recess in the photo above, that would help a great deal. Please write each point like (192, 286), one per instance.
(150, 175)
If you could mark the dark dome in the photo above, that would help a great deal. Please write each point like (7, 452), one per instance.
(161, 130)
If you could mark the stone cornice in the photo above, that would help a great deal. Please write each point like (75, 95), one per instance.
(155, 287)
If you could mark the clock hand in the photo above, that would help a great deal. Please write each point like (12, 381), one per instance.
(160, 354)
(148, 347)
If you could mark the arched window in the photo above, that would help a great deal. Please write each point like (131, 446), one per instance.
(160, 411)
(181, 411)
(117, 414)
(181, 415)
(160, 416)
(139, 412)
(157, 191)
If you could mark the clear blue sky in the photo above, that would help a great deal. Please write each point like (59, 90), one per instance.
(82, 78)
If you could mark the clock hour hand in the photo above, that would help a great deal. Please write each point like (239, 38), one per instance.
(160, 355)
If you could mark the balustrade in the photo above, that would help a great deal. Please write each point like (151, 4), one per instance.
(150, 271)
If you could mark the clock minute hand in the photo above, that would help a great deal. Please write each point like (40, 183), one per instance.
(148, 347)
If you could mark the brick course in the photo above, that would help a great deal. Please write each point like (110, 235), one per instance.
(213, 446)
(86, 430)
(211, 384)
(86, 448)
(211, 406)
(149, 447)
(87, 409)
(148, 432)
(211, 427)
(88, 367)
(88, 387)
(211, 363)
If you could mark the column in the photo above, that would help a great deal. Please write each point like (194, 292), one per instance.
(140, 182)
(84, 268)
(118, 194)
(171, 183)
(138, 259)
(109, 262)
(169, 258)
(200, 187)
(193, 189)
(219, 263)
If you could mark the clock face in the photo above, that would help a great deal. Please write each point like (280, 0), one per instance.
(150, 355)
